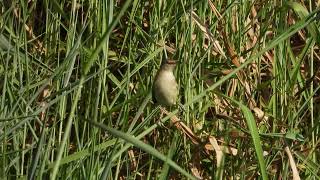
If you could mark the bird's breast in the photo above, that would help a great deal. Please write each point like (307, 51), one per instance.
(166, 88)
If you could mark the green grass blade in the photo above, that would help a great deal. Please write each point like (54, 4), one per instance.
(149, 149)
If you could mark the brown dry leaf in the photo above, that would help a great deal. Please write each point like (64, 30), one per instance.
(38, 44)
(225, 149)
(171, 50)
(230, 50)
(214, 9)
(181, 126)
(269, 56)
(230, 150)
(234, 21)
(196, 172)
(226, 71)
(207, 33)
(241, 75)
(259, 113)
(44, 94)
(217, 149)
(294, 169)
(196, 165)
(133, 159)
(213, 145)
(233, 88)
(255, 28)
(206, 46)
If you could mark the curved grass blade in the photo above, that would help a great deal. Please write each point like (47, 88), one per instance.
(146, 147)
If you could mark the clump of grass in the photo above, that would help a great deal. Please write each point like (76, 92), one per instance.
(76, 79)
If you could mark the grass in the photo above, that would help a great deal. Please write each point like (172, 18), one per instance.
(76, 80)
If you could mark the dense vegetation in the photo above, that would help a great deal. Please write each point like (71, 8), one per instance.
(76, 78)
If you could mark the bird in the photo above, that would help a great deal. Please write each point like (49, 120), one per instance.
(165, 87)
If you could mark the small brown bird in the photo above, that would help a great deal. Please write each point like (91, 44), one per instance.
(165, 87)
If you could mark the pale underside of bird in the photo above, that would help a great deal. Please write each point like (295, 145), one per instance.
(165, 87)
